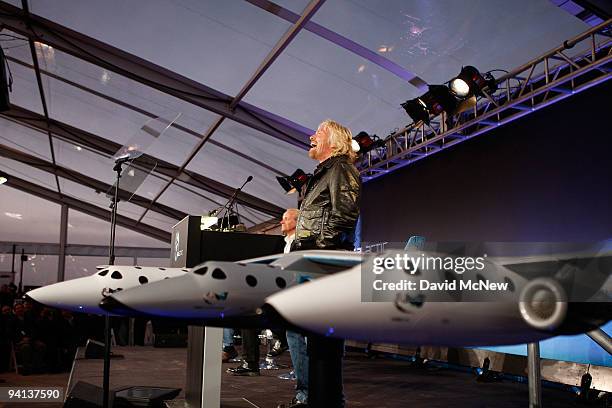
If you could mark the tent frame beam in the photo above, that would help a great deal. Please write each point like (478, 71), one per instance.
(97, 143)
(147, 73)
(86, 208)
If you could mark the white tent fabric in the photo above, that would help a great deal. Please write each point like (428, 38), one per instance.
(221, 44)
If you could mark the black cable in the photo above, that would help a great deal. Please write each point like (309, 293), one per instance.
(497, 70)
(8, 69)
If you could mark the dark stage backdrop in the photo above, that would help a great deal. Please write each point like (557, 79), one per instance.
(545, 177)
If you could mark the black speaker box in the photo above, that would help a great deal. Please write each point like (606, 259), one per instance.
(94, 349)
(145, 397)
(86, 395)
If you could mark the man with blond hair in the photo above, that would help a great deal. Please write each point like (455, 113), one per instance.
(330, 207)
(327, 219)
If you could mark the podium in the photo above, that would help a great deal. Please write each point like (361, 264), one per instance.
(191, 246)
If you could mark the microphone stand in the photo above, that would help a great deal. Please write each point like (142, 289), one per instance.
(111, 261)
(230, 203)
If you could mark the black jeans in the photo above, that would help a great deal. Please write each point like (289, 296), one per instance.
(250, 347)
(325, 372)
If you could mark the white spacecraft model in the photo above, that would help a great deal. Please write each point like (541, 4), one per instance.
(85, 294)
(537, 298)
(224, 293)
(537, 303)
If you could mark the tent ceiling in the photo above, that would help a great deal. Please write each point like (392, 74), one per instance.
(114, 65)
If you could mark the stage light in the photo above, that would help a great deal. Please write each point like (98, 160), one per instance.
(436, 100)
(363, 142)
(294, 182)
(471, 82)
(416, 109)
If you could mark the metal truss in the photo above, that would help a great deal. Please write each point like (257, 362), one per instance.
(87, 208)
(541, 82)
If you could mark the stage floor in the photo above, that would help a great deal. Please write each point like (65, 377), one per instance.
(378, 383)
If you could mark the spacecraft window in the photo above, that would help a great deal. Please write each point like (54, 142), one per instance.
(143, 279)
(280, 282)
(251, 281)
(218, 274)
(116, 275)
(201, 271)
(103, 272)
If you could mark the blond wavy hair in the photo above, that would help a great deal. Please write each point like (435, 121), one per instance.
(340, 138)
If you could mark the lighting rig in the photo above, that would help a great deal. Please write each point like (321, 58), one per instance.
(475, 103)
(456, 96)
(363, 143)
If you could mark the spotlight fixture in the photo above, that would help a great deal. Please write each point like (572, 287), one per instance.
(363, 142)
(294, 182)
(471, 82)
(436, 100)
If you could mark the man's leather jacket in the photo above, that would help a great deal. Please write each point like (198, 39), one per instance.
(330, 207)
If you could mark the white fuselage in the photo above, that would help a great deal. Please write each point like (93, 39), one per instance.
(220, 290)
(85, 294)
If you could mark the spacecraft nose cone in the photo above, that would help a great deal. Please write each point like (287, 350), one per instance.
(50, 295)
(78, 295)
(28, 298)
(39, 295)
(173, 297)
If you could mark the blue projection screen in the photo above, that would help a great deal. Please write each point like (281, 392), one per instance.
(578, 349)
